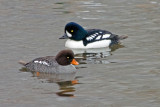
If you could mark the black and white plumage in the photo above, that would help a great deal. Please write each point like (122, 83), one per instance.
(90, 38)
(97, 35)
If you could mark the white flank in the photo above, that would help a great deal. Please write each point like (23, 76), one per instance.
(79, 44)
(106, 36)
(68, 34)
(42, 62)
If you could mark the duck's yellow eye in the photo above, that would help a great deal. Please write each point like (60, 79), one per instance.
(71, 30)
(68, 57)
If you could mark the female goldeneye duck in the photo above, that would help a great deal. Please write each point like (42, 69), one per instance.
(61, 63)
(78, 37)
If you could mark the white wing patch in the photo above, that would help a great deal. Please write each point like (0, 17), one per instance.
(106, 36)
(91, 37)
(42, 62)
(98, 38)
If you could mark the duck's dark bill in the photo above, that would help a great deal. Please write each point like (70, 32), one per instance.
(64, 37)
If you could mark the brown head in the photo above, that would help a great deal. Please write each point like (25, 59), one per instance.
(66, 57)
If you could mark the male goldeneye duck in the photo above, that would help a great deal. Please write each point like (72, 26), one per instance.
(61, 63)
(78, 37)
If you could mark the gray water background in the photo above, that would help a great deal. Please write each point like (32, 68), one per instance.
(126, 77)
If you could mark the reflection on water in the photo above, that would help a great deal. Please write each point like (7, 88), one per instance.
(95, 56)
(51, 77)
(66, 88)
(65, 81)
(116, 46)
(133, 82)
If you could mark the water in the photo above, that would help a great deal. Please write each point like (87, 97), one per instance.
(126, 76)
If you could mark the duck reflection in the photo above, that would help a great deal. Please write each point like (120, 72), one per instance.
(116, 46)
(65, 81)
(95, 56)
(54, 77)
(66, 88)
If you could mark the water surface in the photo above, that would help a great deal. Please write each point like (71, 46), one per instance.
(120, 77)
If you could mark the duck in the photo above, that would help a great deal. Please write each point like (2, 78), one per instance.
(61, 63)
(80, 38)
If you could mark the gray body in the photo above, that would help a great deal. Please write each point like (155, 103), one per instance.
(49, 65)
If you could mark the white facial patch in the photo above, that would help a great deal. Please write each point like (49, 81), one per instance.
(68, 34)
(106, 36)
(42, 62)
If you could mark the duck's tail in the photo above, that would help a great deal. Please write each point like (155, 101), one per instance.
(22, 62)
(116, 38)
(123, 37)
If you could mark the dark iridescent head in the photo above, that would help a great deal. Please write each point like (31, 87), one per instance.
(74, 31)
(66, 57)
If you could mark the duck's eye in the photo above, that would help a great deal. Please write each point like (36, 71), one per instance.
(71, 30)
(67, 57)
